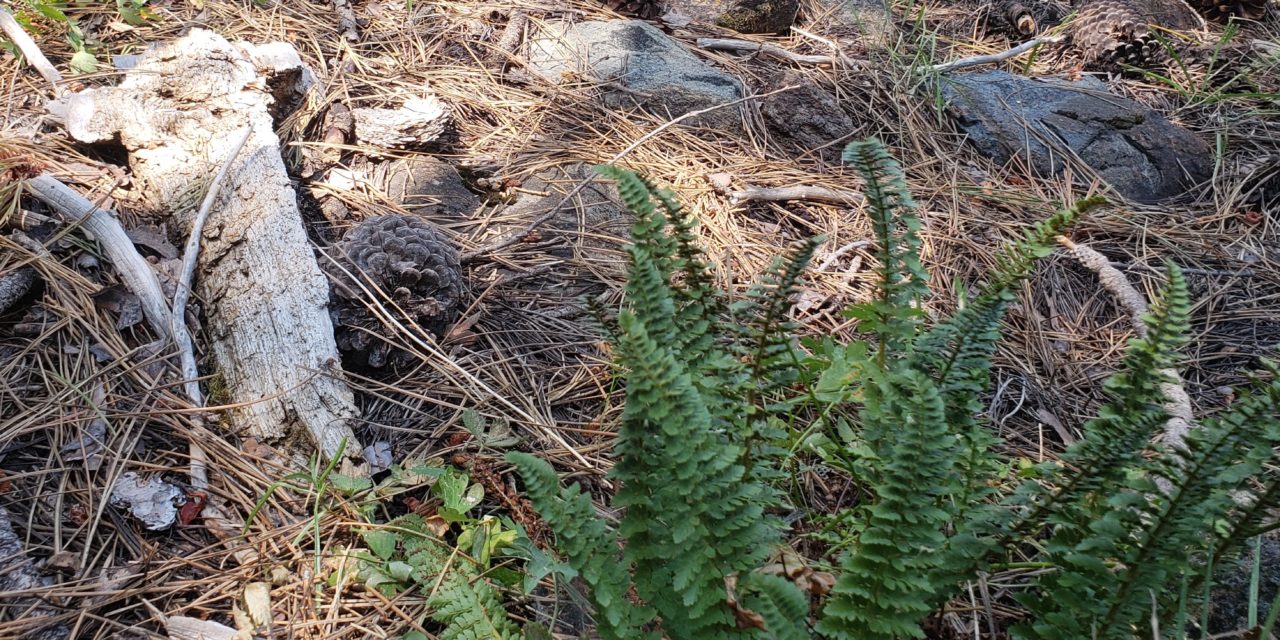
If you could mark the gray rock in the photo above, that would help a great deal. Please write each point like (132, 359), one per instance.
(638, 65)
(424, 186)
(743, 16)
(806, 118)
(1135, 149)
(595, 221)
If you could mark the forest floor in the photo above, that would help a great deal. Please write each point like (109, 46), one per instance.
(526, 357)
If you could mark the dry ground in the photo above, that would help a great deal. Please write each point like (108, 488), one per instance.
(531, 358)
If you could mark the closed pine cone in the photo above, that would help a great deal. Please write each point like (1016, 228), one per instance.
(408, 260)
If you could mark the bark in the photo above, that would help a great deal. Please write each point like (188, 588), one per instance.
(178, 116)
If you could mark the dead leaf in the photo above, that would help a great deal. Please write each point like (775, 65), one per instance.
(378, 455)
(119, 300)
(151, 499)
(154, 239)
(63, 562)
(192, 508)
(1063, 433)
(185, 628)
(257, 601)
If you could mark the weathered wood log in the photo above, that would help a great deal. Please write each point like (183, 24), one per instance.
(178, 115)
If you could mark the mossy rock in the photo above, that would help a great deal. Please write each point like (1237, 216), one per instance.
(743, 16)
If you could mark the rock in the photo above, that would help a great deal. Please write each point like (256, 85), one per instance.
(1229, 602)
(649, 69)
(743, 16)
(424, 186)
(1135, 149)
(806, 118)
(595, 220)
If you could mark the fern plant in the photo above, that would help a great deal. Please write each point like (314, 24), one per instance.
(695, 512)
(405, 551)
(1135, 512)
(708, 401)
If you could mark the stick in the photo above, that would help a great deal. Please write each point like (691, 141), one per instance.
(471, 256)
(178, 321)
(31, 51)
(1177, 402)
(835, 255)
(974, 61)
(800, 192)
(135, 272)
(731, 44)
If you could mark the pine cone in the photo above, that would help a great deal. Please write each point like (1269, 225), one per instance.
(643, 9)
(1110, 34)
(1022, 19)
(1223, 10)
(409, 261)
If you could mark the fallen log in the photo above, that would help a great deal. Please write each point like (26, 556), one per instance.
(178, 114)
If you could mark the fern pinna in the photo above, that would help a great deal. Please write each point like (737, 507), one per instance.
(695, 514)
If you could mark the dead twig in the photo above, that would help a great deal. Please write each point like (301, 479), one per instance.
(134, 271)
(471, 256)
(181, 336)
(31, 51)
(799, 192)
(1177, 402)
(733, 44)
(973, 61)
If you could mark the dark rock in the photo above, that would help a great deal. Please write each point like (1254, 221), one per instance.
(1041, 121)
(1230, 597)
(743, 16)
(806, 118)
(425, 186)
(595, 220)
(638, 65)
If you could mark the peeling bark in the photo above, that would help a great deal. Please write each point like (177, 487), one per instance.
(178, 115)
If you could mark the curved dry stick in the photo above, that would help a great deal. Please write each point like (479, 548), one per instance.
(973, 61)
(1177, 402)
(31, 51)
(799, 192)
(733, 44)
(178, 321)
(135, 272)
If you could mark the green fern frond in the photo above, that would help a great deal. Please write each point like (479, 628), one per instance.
(777, 600)
(1116, 438)
(592, 549)
(468, 606)
(886, 586)
(1116, 534)
(896, 316)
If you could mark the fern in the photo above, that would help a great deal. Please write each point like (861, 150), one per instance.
(693, 513)
(706, 403)
(782, 607)
(590, 547)
(895, 317)
(460, 599)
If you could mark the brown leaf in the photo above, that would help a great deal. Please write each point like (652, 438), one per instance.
(154, 239)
